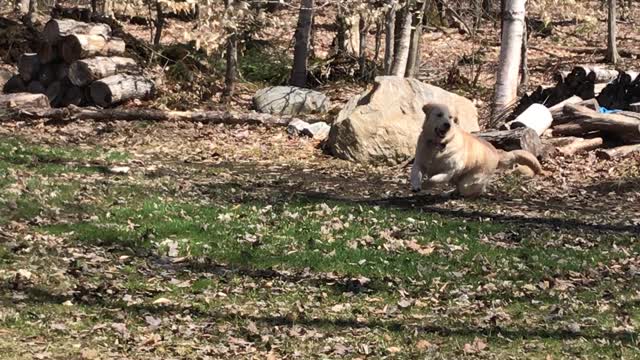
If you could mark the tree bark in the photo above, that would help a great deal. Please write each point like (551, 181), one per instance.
(159, 23)
(404, 43)
(581, 146)
(301, 49)
(75, 47)
(520, 138)
(136, 114)
(84, 72)
(28, 66)
(413, 63)
(56, 29)
(524, 60)
(231, 57)
(510, 50)
(118, 88)
(618, 152)
(362, 51)
(389, 37)
(24, 101)
(612, 50)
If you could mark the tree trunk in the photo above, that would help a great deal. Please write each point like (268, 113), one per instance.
(520, 138)
(524, 60)
(24, 101)
(159, 23)
(413, 63)
(301, 49)
(389, 37)
(612, 50)
(84, 72)
(378, 41)
(75, 47)
(362, 51)
(404, 43)
(28, 66)
(118, 88)
(510, 49)
(231, 58)
(341, 32)
(56, 29)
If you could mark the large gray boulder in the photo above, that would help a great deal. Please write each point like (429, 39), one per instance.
(290, 100)
(381, 126)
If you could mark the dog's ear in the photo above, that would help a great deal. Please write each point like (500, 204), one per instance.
(455, 119)
(426, 109)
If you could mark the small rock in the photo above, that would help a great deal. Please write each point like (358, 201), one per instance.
(318, 130)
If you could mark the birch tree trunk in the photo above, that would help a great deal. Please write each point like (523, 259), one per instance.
(612, 50)
(301, 49)
(413, 63)
(389, 36)
(402, 51)
(510, 50)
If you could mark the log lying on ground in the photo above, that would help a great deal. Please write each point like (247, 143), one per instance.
(83, 72)
(536, 117)
(56, 29)
(73, 95)
(48, 52)
(618, 152)
(22, 101)
(28, 66)
(14, 85)
(117, 88)
(625, 127)
(62, 71)
(78, 46)
(562, 117)
(47, 75)
(581, 146)
(520, 138)
(134, 114)
(55, 93)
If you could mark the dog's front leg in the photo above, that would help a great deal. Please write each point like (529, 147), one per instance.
(416, 178)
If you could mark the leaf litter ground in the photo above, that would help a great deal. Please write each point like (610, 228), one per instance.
(179, 240)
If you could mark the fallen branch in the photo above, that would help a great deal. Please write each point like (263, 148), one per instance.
(72, 113)
(581, 146)
(617, 152)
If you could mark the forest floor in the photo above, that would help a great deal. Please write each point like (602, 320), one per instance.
(180, 240)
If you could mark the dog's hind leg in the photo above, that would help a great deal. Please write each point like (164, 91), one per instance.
(472, 185)
(416, 177)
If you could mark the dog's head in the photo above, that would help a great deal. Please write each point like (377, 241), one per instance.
(439, 121)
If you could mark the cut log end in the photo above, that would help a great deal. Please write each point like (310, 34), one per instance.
(118, 88)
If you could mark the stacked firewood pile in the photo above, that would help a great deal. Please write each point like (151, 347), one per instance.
(588, 109)
(79, 64)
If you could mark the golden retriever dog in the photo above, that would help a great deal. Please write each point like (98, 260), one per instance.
(446, 153)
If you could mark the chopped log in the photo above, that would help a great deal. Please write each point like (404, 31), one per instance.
(14, 85)
(635, 107)
(601, 74)
(24, 101)
(55, 93)
(62, 71)
(581, 146)
(135, 114)
(625, 127)
(561, 141)
(56, 29)
(48, 52)
(47, 75)
(83, 72)
(618, 152)
(36, 87)
(562, 117)
(28, 66)
(77, 46)
(536, 117)
(520, 138)
(5, 76)
(73, 95)
(118, 88)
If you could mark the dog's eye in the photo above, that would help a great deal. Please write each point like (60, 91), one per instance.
(440, 114)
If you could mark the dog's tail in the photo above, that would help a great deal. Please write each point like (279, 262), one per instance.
(522, 157)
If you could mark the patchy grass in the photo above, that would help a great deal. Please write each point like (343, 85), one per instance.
(147, 265)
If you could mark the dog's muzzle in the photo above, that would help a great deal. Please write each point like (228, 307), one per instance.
(442, 130)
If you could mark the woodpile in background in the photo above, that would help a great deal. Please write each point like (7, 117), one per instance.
(588, 109)
(78, 64)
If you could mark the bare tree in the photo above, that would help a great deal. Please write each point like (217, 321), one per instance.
(231, 57)
(510, 51)
(413, 62)
(159, 23)
(301, 48)
(390, 26)
(362, 52)
(612, 50)
(524, 60)
(404, 43)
